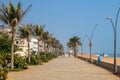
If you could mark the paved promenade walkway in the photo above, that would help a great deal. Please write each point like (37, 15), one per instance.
(63, 69)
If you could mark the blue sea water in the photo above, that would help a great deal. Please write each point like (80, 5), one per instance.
(112, 55)
(109, 54)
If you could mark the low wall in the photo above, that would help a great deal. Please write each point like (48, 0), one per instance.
(102, 64)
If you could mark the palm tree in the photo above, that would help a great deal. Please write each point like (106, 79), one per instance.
(69, 45)
(12, 16)
(38, 31)
(25, 32)
(61, 49)
(46, 38)
(57, 46)
(74, 43)
(51, 43)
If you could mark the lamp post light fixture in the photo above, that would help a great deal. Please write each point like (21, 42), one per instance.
(114, 25)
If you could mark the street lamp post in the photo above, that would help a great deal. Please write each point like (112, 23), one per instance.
(90, 43)
(82, 43)
(115, 39)
(82, 47)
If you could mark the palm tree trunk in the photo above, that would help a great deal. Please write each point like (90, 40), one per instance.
(44, 46)
(38, 53)
(28, 51)
(75, 52)
(12, 50)
(45, 49)
(38, 46)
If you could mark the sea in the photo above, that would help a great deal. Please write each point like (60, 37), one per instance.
(111, 55)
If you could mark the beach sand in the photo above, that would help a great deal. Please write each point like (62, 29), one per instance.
(105, 59)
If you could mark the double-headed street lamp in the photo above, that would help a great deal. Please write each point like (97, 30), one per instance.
(114, 25)
(90, 43)
(86, 36)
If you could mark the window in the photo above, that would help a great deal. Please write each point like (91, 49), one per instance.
(17, 42)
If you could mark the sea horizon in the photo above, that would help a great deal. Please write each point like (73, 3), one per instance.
(111, 55)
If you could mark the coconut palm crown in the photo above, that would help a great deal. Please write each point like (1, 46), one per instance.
(74, 43)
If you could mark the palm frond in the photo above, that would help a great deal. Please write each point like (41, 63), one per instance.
(19, 11)
(74, 42)
(11, 8)
(11, 15)
(38, 30)
(3, 13)
(25, 31)
(26, 10)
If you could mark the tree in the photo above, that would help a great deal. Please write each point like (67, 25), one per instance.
(38, 31)
(46, 38)
(74, 43)
(69, 45)
(12, 16)
(25, 32)
(55, 44)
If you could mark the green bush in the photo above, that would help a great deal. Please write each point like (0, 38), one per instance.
(50, 56)
(54, 55)
(35, 59)
(43, 57)
(20, 62)
(5, 44)
(4, 59)
(3, 73)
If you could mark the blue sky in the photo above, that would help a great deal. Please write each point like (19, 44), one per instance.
(66, 18)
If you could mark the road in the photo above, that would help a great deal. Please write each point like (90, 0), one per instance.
(63, 68)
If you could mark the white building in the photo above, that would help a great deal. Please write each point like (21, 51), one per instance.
(41, 46)
(23, 46)
(34, 45)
